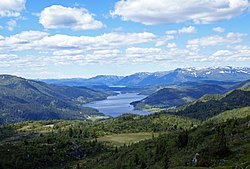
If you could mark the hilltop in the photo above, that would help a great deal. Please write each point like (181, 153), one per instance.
(22, 99)
(211, 105)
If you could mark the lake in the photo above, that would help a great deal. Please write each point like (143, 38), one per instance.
(117, 105)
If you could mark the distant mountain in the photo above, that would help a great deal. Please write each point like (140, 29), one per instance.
(186, 75)
(176, 76)
(133, 80)
(105, 80)
(22, 99)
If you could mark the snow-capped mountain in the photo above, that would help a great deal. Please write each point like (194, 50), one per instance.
(188, 74)
(167, 77)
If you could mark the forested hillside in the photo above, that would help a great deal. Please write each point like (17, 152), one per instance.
(211, 105)
(22, 99)
(176, 96)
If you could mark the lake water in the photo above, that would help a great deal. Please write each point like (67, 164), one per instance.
(117, 105)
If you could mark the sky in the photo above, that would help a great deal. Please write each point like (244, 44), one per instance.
(84, 38)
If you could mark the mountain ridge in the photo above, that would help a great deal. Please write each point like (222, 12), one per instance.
(178, 75)
(22, 99)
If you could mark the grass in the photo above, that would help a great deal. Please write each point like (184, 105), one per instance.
(128, 138)
(97, 118)
(153, 109)
(37, 127)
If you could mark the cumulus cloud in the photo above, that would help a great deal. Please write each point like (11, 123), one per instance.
(218, 29)
(240, 53)
(187, 30)
(105, 41)
(11, 8)
(170, 34)
(139, 51)
(26, 40)
(163, 40)
(58, 16)
(171, 45)
(215, 40)
(35, 40)
(11, 25)
(151, 12)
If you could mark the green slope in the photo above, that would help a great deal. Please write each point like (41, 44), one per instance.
(224, 145)
(60, 143)
(231, 114)
(22, 99)
(173, 142)
(211, 105)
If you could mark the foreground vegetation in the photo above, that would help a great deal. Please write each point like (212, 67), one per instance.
(61, 143)
(226, 144)
(119, 143)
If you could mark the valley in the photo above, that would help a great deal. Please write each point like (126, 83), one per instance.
(56, 126)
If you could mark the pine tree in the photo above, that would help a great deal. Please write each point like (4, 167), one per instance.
(70, 132)
(222, 147)
(166, 161)
(143, 165)
(182, 139)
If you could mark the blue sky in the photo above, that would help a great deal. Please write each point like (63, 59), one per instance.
(76, 38)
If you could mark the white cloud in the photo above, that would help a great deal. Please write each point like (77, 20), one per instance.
(144, 55)
(163, 40)
(11, 8)
(11, 25)
(57, 16)
(138, 51)
(171, 32)
(30, 36)
(151, 12)
(184, 30)
(238, 37)
(218, 29)
(222, 53)
(215, 40)
(26, 40)
(41, 41)
(238, 54)
(189, 30)
(105, 41)
(171, 45)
